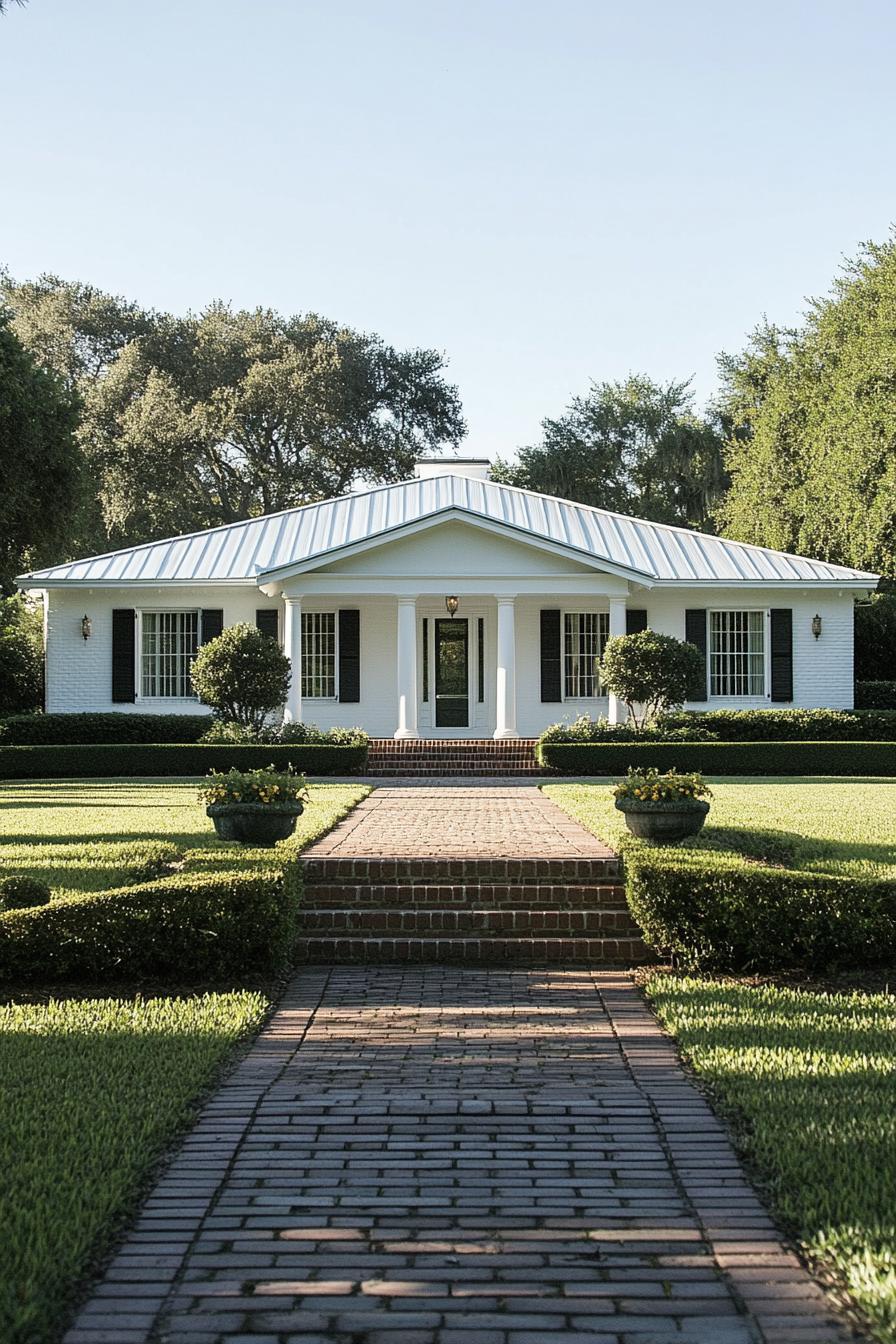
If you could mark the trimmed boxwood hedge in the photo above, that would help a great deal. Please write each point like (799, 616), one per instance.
(32, 730)
(189, 927)
(102, 761)
(714, 911)
(720, 758)
(789, 725)
(876, 695)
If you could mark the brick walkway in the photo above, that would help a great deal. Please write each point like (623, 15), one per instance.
(478, 820)
(456, 1156)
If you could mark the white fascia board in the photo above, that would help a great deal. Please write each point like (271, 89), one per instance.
(454, 514)
(142, 583)
(862, 585)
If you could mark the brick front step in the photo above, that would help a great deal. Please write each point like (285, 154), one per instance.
(449, 895)
(479, 922)
(494, 951)
(433, 757)
(453, 870)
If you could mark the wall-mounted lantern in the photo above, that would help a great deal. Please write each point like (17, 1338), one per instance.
(816, 626)
(86, 627)
(451, 605)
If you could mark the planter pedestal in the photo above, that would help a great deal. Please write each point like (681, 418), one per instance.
(663, 823)
(261, 824)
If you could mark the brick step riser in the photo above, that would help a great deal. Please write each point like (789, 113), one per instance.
(447, 772)
(592, 952)
(536, 896)
(460, 871)
(470, 923)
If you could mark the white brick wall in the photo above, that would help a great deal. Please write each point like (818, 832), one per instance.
(79, 675)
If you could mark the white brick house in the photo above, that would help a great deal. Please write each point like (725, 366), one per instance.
(357, 591)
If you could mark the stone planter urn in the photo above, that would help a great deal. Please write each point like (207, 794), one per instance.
(261, 824)
(663, 823)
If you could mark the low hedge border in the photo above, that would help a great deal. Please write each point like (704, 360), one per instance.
(715, 911)
(718, 758)
(188, 926)
(43, 730)
(105, 760)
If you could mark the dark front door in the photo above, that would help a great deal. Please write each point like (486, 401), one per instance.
(452, 680)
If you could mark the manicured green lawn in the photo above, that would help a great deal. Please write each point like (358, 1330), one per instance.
(808, 1081)
(92, 835)
(91, 1094)
(831, 825)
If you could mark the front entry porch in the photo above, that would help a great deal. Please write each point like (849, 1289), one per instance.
(434, 668)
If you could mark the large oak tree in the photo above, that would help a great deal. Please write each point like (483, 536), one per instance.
(636, 447)
(188, 422)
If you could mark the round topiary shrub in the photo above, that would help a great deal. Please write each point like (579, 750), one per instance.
(20, 892)
(650, 673)
(243, 675)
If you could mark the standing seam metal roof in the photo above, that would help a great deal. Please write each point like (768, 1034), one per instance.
(248, 550)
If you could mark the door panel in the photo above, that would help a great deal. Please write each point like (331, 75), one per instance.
(452, 673)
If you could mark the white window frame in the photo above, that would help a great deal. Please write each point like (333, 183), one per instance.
(601, 615)
(140, 694)
(321, 699)
(764, 612)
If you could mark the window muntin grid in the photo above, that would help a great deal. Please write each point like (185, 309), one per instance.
(319, 655)
(168, 645)
(585, 634)
(737, 653)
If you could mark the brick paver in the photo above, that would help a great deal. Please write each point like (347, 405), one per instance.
(456, 1156)
(469, 820)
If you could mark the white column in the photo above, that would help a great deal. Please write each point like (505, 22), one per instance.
(617, 712)
(292, 647)
(505, 698)
(407, 668)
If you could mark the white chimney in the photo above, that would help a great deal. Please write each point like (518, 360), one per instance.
(479, 468)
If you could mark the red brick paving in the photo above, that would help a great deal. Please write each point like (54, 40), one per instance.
(456, 1156)
(478, 820)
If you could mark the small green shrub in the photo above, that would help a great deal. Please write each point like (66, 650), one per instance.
(650, 672)
(720, 758)
(284, 734)
(586, 729)
(875, 695)
(20, 892)
(21, 656)
(242, 674)
(716, 911)
(188, 927)
(105, 761)
(26, 730)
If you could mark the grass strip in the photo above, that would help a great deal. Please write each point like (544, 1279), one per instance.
(93, 1093)
(808, 1084)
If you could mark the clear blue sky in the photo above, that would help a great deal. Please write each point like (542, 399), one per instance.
(548, 192)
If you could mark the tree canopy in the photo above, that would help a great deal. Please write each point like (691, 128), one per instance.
(39, 461)
(812, 419)
(188, 422)
(636, 447)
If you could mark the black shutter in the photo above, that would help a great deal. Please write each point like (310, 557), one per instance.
(782, 653)
(550, 656)
(695, 633)
(124, 637)
(211, 625)
(635, 620)
(349, 655)
(267, 621)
